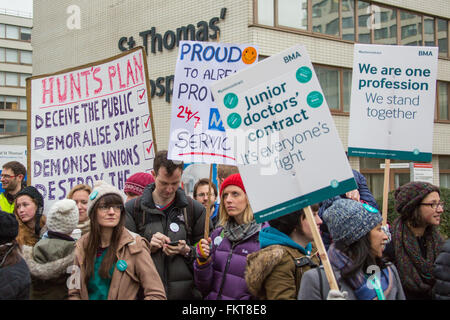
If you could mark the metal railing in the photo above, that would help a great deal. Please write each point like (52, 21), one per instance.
(16, 13)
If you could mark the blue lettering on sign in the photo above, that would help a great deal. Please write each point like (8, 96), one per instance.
(291, 57)
(425, 53)
(215, 122)
(197, 52)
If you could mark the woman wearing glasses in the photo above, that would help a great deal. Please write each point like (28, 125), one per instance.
(415, 237)
(112, 263)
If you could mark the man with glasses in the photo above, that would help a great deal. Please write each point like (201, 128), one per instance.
(12, 179)
(201, 194)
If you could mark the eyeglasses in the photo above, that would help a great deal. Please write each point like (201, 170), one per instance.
(435, 205)
(115, 207)
(201, 195)
(6, 176)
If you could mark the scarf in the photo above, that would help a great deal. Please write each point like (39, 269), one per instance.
(416, 272)
(238, 232)
(360, 283)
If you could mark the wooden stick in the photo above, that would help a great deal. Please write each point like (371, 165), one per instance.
(321, 248)
(386, 190)
(208, 208)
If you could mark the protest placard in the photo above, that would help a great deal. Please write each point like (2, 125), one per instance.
(392, 102)
(88, 123)
(12, 153)
(197, 131)
(288, 150)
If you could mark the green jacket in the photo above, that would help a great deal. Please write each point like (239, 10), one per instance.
(272, 274)
(5, 205)
(48, 262)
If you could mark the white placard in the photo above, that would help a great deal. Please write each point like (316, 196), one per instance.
(289, 152)
(90, 123)
(392, 102)
(197, 131)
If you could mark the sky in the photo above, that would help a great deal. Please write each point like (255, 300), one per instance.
(18, 5)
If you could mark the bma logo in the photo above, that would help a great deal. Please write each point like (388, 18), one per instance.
(425, 53)
(291, 57)
(215, 122)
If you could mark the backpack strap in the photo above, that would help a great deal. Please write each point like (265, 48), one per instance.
(138, 215)
(189, 218)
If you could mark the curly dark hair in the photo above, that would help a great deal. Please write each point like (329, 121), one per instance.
(162, 161)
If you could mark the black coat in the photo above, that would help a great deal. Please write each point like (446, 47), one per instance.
(176, 272)
(441, 290)
(15, 281)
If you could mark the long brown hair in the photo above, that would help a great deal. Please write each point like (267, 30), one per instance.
(94, 239)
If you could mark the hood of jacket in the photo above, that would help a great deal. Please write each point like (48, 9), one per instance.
(270, 236)
(260, 265)
(49, 258)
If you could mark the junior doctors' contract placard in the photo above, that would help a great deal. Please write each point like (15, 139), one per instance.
(197, 133)
(90, 123)
(393, 102)
(288, 149)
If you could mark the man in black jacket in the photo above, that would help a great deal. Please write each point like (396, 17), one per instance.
(173, 223)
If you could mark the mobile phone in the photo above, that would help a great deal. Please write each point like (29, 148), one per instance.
(173, 243)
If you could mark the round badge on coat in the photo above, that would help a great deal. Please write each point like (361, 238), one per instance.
(121, 265)
(218, 240)
(174, 227)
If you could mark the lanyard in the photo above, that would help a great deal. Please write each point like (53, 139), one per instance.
(377, 286)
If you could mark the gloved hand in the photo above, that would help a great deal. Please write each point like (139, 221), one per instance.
(337, 295)
(385, 229)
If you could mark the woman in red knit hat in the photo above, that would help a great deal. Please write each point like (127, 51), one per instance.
(220, 267)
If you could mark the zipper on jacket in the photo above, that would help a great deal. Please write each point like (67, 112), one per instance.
(219, 295)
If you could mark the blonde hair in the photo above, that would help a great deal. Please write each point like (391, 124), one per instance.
(79, 187)
(224, 217)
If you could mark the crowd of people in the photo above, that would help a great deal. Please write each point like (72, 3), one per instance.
(96, 245)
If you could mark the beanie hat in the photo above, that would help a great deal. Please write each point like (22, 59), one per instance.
(100, 189)
(408, 196)
(137, 183)
(233, 180)
(33, 193)
(9, 227)
(350, 220)
(63, 216)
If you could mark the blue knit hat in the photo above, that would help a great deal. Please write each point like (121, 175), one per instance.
(350, 220)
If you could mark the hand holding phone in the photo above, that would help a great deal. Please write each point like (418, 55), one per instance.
(174, 243)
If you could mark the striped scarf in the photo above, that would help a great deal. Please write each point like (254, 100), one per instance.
(416, 272)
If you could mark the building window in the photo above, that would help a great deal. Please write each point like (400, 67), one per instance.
(23, 81)
(374, 174)
(444, 171)
(26, 57)
(23, 103)
(13, 126)
(325, 18)
(12, 32)
(442, 35)
(25, 34)
(2, 30)
(265, 12)
(293, 13)
(360, 21)
(12, 56)
(12, 79)
(336, 85)
(442, 100)
(386, 29)
(13, 103)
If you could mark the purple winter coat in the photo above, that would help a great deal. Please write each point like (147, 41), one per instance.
(211, 277)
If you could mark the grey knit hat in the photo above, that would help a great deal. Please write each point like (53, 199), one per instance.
(100, 189)
(349, 220)
(63, 216)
